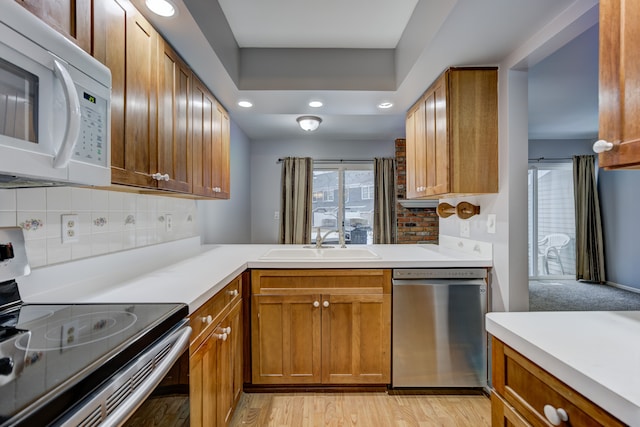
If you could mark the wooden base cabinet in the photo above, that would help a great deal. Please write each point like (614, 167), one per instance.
(216, 358)
(523, 389)
(321, 327)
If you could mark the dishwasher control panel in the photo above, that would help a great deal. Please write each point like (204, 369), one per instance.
(440, 273)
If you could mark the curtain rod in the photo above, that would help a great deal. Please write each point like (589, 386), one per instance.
(539, 159)
(337, 160)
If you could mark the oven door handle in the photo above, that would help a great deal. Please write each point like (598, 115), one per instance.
(126, 408)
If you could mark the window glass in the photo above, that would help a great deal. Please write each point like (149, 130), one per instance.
(343, 201)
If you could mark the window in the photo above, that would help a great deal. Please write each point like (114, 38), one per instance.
(551, 228)
(352, 185)
(367, 192)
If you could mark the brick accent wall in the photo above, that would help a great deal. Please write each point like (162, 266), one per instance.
(414, 225)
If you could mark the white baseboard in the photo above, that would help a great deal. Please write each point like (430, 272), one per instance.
(625, 287)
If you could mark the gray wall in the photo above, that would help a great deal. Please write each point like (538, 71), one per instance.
(620, 205)
(559, 147)
(265, 173)
(229, 221)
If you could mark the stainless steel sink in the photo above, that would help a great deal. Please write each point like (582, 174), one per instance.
(311, 254)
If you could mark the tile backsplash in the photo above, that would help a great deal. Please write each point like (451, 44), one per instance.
(109, 221)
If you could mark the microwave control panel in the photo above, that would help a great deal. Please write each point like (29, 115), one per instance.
(92, 141)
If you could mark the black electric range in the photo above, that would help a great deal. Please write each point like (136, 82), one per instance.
(54, 358)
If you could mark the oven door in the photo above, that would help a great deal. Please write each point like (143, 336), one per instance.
(138, 389)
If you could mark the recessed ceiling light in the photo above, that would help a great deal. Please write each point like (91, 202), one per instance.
(161, 7)
(316, 104)
(384, 105)
(245, 104)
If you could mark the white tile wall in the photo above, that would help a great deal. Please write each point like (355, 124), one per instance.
(110, 221)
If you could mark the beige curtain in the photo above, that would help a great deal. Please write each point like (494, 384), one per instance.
(589, 240)
(384, 201)
(295, 202)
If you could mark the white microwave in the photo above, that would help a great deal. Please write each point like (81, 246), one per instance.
(54, 107)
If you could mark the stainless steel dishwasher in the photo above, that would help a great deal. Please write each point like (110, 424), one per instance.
(439, 338)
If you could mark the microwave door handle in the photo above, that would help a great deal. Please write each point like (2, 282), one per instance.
(63, 155)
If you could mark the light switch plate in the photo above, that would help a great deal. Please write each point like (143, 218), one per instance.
(464, 228)
(491, 223)
(70, 228)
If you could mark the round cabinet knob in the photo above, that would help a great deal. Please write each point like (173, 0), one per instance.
(157, 176)
(233, 293)
(227, 330)
(325, 304)
(6, 366)
(600, 146)
(166, 177)
(316, 304)
(207, 319)
(555, 416)
(222, 337)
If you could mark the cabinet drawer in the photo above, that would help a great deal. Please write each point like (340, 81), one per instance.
(528, 388)
(205, 318)
(360, 281)
(503, 414)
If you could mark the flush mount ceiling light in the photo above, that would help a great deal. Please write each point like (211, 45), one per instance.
(309, 123)
(161, 7)
(245, 104)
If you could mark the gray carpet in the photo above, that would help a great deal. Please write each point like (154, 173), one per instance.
(570, 295)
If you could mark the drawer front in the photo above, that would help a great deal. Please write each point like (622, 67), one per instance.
(528, 389)
(504, 415)
(204, 319)
(360, 281)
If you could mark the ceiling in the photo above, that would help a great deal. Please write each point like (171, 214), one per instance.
(353, 55)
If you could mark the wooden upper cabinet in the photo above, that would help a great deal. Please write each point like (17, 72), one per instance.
(619, 105)
(455, 144)
(415, 151)
(204, 106)
(174, 121)
(72, 18)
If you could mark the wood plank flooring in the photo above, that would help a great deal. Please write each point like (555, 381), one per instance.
(361, 409)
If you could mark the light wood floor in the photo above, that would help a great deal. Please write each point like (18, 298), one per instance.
(361, 409)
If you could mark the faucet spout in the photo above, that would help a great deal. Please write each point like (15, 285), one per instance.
(321, 238)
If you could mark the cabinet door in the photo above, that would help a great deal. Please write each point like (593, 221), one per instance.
(138, 159)
(229, 359)
(438, 161)
(225, 140)
(285, 338)
(356, 339)
(203, 108)
(203, 384)
(109, 29)
(174, 116)
(72, 18)
(416, 152)
(619, 76)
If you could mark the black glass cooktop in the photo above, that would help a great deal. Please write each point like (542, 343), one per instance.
(51, 355)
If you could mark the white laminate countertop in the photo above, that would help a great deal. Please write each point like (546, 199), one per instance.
(208, 269)
(596, 353)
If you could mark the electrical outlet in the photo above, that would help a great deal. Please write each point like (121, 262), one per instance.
(464, 228)
(70, 228)
(168, 223)
(276, 215)
(491, 223)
